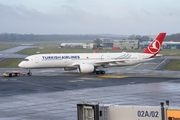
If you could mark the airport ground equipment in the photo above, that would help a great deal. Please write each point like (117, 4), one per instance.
(13, 74)
(96, 111)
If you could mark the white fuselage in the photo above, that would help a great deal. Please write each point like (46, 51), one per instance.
(68, 60)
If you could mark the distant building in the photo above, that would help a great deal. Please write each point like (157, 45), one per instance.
(26, 44)
(71, 44)
(126, 44)
(107, 45)
(143, 45)
(165, 45)
(171, 45)
(105, 40)
(88, 45)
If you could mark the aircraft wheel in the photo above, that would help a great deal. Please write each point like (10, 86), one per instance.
(102, 72)
(94, 71)
(97, 72)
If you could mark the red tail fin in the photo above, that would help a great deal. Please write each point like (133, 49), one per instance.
(155, 46)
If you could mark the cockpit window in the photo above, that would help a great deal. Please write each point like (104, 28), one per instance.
(26, 60)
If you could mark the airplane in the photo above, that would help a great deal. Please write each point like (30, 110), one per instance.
(92, 62)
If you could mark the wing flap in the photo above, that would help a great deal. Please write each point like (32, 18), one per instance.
(108, 61)
(115, 61)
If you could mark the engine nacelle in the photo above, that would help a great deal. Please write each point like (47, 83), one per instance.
(86, 68)
(69, 69)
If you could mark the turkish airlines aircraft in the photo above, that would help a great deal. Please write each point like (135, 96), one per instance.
(92, 62)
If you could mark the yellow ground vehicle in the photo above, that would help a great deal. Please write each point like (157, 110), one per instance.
(12, 74)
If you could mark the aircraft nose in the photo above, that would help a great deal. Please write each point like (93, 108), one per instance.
(20, 64)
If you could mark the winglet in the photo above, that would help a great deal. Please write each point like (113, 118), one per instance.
(155, 46)
(96, 51)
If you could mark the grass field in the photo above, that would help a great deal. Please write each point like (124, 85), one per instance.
(173, 65)
(11, 63)
(174, 52)
(49, 42)
(6, 46)
(31, 51)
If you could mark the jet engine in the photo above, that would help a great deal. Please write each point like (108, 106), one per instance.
(86, 68)
(69, 69)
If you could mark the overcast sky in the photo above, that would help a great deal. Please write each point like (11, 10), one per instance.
(123, 17)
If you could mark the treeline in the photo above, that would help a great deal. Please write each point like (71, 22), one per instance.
(173, 37)
(139, 37)
(6, 37)
(12, 37)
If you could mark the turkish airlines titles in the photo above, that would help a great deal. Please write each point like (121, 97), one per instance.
(59, 57)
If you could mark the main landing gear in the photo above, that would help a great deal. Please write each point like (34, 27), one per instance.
(29, 73)
(99, 72)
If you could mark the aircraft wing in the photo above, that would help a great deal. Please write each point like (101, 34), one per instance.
(106, 62)
(100, 62)
(115, 61)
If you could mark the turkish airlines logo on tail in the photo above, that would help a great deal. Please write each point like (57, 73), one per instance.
(154, 47)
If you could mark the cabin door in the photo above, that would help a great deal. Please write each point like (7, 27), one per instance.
(36, 60)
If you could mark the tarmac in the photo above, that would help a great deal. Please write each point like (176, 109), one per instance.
(55, 97)
(10, 53)
(54, 93)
